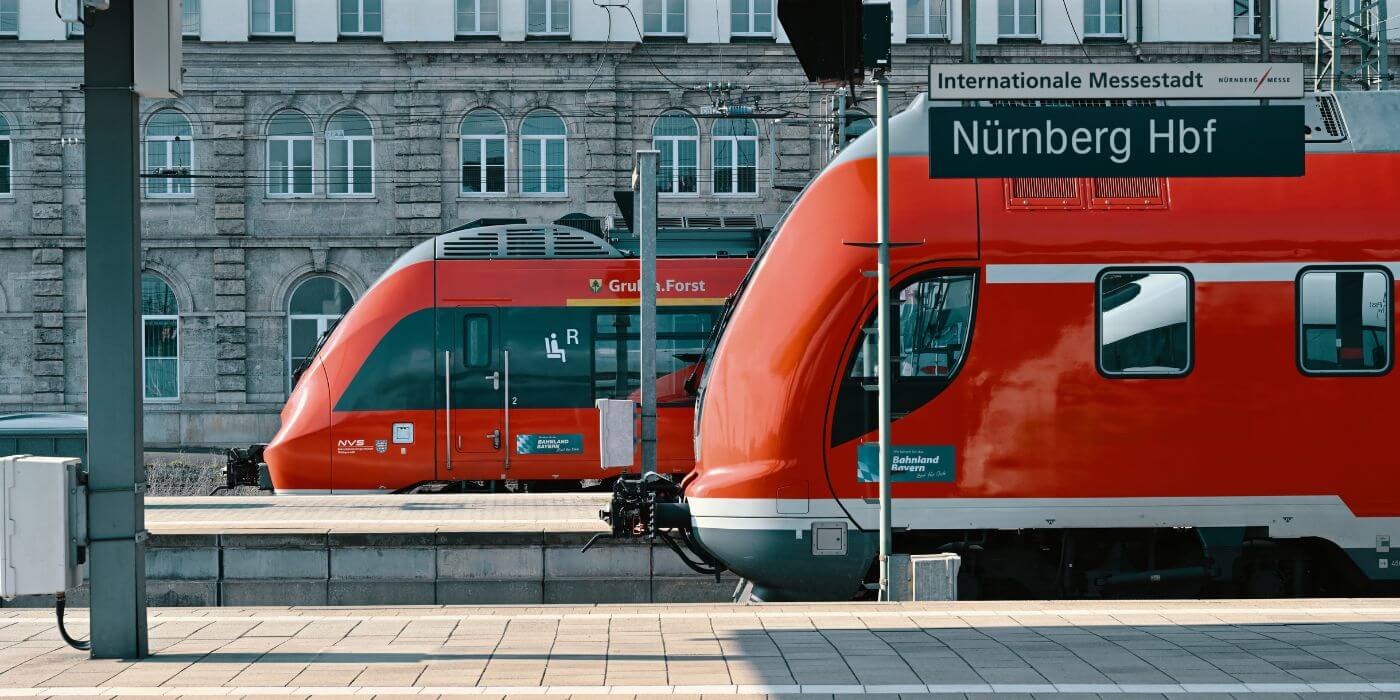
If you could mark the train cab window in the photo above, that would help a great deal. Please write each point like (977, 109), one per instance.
(1344, 321)
(932, 323)
(617, 353)
(476, 332)
(1145, 323)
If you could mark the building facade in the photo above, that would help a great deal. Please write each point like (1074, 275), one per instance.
(317, 140)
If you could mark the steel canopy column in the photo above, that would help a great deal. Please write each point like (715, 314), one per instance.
(116, 486)
(882, 316)
(646, 233)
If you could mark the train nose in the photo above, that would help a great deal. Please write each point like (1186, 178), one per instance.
(785, 567)
(299, 455)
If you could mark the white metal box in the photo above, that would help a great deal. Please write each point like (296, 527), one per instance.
(43, 524)
(616, 432)
(158, 48)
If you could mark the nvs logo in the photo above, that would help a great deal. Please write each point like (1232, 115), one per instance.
(352, 443)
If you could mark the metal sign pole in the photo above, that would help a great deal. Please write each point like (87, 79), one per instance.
(116, 478)
(882, 317)
(646, 234)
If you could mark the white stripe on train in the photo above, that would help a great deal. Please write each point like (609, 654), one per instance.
(1081, 273)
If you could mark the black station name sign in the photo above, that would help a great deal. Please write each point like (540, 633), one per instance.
(1244, 141)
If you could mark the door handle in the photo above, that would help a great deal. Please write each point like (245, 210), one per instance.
(495, 437)
(495, 378)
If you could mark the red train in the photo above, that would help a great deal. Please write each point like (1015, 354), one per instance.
(1101, 386)
(477, 356)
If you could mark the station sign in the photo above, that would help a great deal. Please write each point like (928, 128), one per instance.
(1112, 81)
(1247, 141)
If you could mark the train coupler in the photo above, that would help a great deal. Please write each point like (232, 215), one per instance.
(245, 467)
(650, 506)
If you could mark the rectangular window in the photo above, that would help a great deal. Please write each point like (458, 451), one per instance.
(751, 17)
(1018, 19)
(160, 356)
(928, 19)
(289, 165)
(190, 19)
(542, 165)
(5, 166)
(736, 165)
(1344, 321)
(617, 351)
(167, 155)
(1145, 323)
(476, 334)
(360, 17)
(483, 165)
(677, 165)
(477, 16)
(1248, 21)
(544, 17)
(1103, 18)
(351, 166)
(272, 17)
(663, 17)
(9, 17)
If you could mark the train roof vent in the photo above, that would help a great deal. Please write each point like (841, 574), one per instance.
(703, 221)
(523, 242)
(1324, 121)
(741, 221)
(670, 222)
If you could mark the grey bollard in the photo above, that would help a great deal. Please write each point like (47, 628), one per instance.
(934, 576)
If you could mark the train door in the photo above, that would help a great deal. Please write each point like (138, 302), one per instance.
(472, 373)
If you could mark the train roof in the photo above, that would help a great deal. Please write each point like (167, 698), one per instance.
(559, 242)
(1338, 122)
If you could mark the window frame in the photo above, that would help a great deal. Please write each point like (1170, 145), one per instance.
(291, 166)
(359, 18)
(611, 336)
(1190, 321)
(16, 13)
(674, 142)
(272, 18)
(666, 30)
(7, 144)
(549, 30)
(1019, 34)
(544, 140)
(927, 18)
(349, 142)
(466, 336)
(146, 318)
(168, 182)
(1254, 18)
(1103, 16)
(1299, 327)
(476, 14)
(198, 16)
(482, 140)
(732, 142)
(750, 16)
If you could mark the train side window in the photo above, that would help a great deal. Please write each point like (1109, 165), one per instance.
(476, 336)
(1145, 323)
(931, 318)
(1344, 321)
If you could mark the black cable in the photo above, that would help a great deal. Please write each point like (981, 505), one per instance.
(62, 632)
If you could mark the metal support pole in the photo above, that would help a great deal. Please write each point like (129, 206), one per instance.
(116, 478)
(646, 233)
(882, 315)
(840, 99)
(969, 31)
(1382, 39)
(1266, 30)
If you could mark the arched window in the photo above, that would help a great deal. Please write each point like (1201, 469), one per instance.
(316, 305)
(678, 138)
(735, 156)
(350, 155)
(160, 340)
(289, 154)
(483, 151)
(4, 158)
(168, 153)
(543, 154)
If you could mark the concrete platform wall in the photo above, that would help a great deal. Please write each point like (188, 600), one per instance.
(303, 568)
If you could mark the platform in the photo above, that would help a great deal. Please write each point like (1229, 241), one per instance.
(1199, 648)
(400, 550)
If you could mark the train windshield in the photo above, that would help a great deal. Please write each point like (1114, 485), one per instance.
(315, 350)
